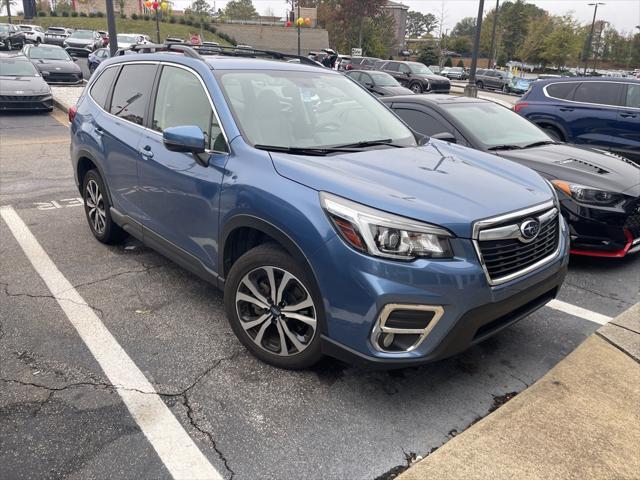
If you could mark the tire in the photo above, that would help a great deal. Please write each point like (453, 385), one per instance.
(37, 41)
(261, 320)
(416, 88)
(505, 89)
(480, 85)
(553, 132)
(97, 210)
(9, 46)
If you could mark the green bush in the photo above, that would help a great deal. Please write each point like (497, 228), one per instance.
(460, 63)
(42, 13)
(189, 21)
(65, 13)
(123, 16)
(74, 14)
(82, 14)
(172, 19)
(212, 29)
(134, 16)
(54, 13)
(92, 15)
(182, 21)
(146, 17)
(99, 14)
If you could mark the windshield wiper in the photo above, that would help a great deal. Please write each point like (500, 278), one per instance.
(370, 143)
(540, 143)
(505, 147)
(302, 150)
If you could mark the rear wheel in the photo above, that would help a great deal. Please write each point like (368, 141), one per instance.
(553, 132)
(271, 307)
(480, 85)
(97, 209)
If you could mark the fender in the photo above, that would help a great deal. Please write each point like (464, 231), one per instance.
(90, 156)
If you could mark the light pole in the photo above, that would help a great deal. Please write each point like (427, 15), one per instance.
(493, 35)
(471, 90)
(111, 28)
(593, 25)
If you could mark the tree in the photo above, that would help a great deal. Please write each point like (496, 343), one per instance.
(378, 35)
(464, 28)
(563, 44)
(201, 9)
(419, 23)
(428, 54)
(533, 44)
(460, 64)
(448, 62)
(240, 10)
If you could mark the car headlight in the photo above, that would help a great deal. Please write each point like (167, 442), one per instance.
(385, 235)
(585, 194)
(44, 73)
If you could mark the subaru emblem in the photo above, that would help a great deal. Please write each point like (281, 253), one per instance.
(529, 229)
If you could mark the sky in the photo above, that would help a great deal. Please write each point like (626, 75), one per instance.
(624, 15)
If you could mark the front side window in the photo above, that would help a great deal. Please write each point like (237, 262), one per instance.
(404, 69)
(304, 109)
(392, 66)
(419, 69)
(602, 93)
(633, 95)
(422, 122)
(101, 87)
(131, 93)
(181, 100)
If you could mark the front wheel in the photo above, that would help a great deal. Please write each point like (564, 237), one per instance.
(416, 88)
(480, 85)
(272, 309)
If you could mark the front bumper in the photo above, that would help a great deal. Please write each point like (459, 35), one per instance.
(86, 50)
(26, 102)
(54, 40)
(62, 78)
(472, 309)
(603, 231)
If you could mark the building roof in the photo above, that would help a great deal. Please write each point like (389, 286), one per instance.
(391, 4)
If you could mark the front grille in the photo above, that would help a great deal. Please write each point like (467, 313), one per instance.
(504, 258)
(25, 102)
(23, 98)
(633, 225)
(62, 78)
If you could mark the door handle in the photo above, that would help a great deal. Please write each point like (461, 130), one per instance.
(99, 131)
(566, 109)
(628, 115)
(146, 151)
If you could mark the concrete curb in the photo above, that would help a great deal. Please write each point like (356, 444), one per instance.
(580, 420)
(61, 106)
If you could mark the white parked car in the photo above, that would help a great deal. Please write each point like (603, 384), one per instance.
(126, 40)
(33, 33)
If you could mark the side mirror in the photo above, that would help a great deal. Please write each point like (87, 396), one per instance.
(75, 59)
(407, 73)
(186, 139)
(369, 85)
(445, 137)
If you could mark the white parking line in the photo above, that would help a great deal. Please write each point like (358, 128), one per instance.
(579, 312)
(173, 445)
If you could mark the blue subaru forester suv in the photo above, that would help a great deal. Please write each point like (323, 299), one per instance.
(330, 226)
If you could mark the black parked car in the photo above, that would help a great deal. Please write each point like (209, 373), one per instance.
(56, 35)
(21, 86)
(83, 42)
(493, 79)
(378, 83)
(415, 76)
(11, 37)
(364, 63)
(54, 63)
(599, 192)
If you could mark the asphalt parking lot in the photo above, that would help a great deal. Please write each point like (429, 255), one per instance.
(60, 416)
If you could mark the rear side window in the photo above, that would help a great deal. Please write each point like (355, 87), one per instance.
(391, 66)
(131, 93)
(633, 95)
(563, 91)
(603, 93)
(422, 122)
(355, 76)
(102, 86)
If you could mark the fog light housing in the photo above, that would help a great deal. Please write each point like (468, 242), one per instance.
(402, 328)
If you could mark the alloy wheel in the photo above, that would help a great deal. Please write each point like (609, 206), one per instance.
(276, 311)
(95, 206)
(416, 88)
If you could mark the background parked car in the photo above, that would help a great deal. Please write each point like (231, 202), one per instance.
(456, 73)
(519, 85)
(599, 112)
(21, 86)
(83, 42)
(364, 63)
(54, 63)
(599, 192)
(127, 40)
(57, 35)
(96, 58)
(435, 69)
(11, 37)
(33, 33)
(379, 83)
(493, 79)
(343, 63)
(105, 37)
(416, 76)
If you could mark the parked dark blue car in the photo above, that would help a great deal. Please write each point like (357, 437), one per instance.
(599, 112)
(327, 223)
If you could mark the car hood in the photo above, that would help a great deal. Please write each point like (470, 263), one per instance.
(395, 90)
(584, 166)
(26, 85)
(439, 183)
(78, 42)
(434, 78)
(62, 66)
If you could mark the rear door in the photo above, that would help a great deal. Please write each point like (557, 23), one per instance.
(180, 197)
(121, 128)
(626, 140)
(590, 118)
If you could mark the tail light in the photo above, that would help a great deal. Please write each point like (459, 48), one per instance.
(72, 113)
(519, 106)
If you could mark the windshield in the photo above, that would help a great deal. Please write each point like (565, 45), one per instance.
(384, 80)
(419, 68)
(127, 39)
(302, 109)
(47, 53)
(493, 125)
(55, 30)
(82, 35)
(25, 28)
(17, 68)
(4, 28)
(455, 69)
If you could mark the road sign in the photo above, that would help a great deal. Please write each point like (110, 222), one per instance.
(356, 52)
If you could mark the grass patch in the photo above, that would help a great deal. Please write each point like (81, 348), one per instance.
(123, 25)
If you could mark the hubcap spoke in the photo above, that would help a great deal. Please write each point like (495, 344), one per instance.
(243, 297)
(283, 285)
(306, 303)
(252, 288)
(272, 282)
(303, 318)
(283, 342)
(260, 334)
(292, 337)
(254, 323)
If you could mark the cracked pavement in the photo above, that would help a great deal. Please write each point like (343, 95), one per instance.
(60, 417)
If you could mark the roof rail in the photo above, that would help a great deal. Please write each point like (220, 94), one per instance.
(197, 51)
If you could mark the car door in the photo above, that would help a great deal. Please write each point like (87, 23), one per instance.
(180, 195)
(121, 127)
(590, 118)
(626, 139)
(392, 68)
(404, 75)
